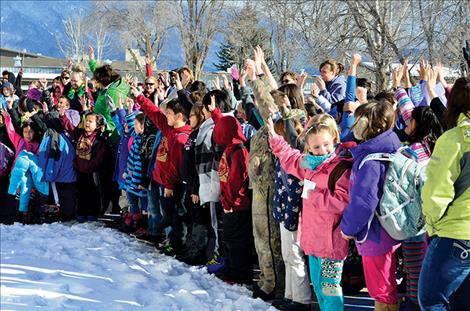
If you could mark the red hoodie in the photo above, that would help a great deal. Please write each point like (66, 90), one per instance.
(170, 150)
(233, 172)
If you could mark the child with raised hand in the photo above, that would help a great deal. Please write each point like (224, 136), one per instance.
(373, 127)
(423, 128)
(136, 181)
(175, 131)
(325, 171)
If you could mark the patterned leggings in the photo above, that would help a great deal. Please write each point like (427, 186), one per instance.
(325, 275)
(413, 253)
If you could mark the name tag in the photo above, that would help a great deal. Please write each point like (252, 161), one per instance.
(308, 185)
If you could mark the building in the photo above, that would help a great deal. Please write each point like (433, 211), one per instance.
(37, 66)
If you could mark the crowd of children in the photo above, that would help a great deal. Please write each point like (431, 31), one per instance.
(212, 176)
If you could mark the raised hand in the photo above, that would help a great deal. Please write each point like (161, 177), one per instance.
(270, 124)
(321, 84)
(431, 85)
(243, 78)
(149, 59)
(45, 109)
(43, 82)
(315, 91)
(129, 78)
(250, 69)
(216, 83)
(178, 84)
(212, 106)
(397, 75)
(84, 102)
(91, 52)
(110, 103)
(424, 68)
(130, 105)
(356, 59)
(135, 91)
(440, 74)
(120, 105)
(259, 59)
(301, 79)
(226, 83)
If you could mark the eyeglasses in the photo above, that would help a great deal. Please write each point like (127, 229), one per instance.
(149, 84)
(285, 81)
(65, 77)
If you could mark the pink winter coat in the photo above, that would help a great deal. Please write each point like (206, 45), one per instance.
(319, 231)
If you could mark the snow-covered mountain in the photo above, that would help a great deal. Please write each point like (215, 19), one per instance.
(32, 25)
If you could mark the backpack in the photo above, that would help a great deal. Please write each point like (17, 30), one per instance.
(6, 159)
(400, 208)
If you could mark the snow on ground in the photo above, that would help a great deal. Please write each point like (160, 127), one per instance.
(91, 267)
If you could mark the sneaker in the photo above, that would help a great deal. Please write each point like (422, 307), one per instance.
(172, 251)
(259, 293)
(215, 264)
(139, 233)
(295, 306)
(276, 303)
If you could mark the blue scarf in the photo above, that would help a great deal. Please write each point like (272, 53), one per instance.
(311, 162)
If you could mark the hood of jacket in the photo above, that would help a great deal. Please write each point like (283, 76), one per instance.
(387, 142)
(228, 131)
(463, 123)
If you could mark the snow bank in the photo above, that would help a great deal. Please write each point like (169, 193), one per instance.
(91, 267)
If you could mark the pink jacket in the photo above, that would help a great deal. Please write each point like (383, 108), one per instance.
(319, 231)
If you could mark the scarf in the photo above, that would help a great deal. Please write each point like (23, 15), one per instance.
(311, 162)
(79, 93)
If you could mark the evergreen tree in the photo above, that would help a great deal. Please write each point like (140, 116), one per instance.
(242, 35)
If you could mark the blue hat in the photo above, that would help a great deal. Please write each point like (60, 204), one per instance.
(7, 84)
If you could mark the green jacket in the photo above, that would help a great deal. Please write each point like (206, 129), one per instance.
(118, 88)
(446, 193)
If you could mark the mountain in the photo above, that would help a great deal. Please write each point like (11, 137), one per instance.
(32, 25)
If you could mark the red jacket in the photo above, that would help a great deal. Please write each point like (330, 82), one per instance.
(170, 150)
(233, 166)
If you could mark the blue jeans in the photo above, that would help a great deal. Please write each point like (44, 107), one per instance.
(445, 267)
(137, 203)
(153, 208)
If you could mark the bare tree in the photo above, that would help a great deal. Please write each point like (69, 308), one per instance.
(72, 41)
(99, 36)
(323, 29)
(380, 25)
(197, 23)
(242, 34)
(278, 16)
(139, 24)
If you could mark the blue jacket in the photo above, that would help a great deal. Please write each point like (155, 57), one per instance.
(335, 90)
(25, 174)
(61, 169)
(366, 191)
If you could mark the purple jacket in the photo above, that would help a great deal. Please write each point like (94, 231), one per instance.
(365, 195)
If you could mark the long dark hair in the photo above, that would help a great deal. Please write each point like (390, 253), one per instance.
(459, 102)
(294, 93)
(427, 128)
